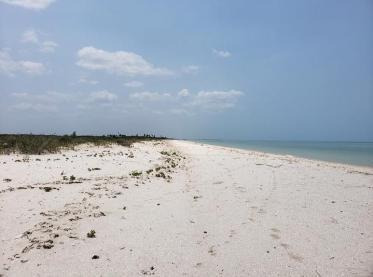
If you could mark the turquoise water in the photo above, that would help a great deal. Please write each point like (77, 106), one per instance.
(356, 153)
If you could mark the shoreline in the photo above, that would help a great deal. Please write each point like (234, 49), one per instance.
(331, 163)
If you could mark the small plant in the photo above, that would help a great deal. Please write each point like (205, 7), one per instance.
(136, 173)
(91, 234)
(72, 178)
(47, 189)
(161, 175)
(165, 153)
(149, 171)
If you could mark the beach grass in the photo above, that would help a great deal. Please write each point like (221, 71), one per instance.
(44, 144)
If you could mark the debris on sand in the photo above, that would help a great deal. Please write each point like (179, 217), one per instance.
(48, 189)
(160, 175)
(148, 272)
(94, 168)
(99, 214)
(91, 234)
(48, 244)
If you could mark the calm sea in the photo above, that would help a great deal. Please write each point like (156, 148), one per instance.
(357, 153)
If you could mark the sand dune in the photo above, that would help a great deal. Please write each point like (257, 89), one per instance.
(177, 208)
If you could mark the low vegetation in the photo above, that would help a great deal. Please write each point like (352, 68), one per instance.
(43, 144)
(136, 173)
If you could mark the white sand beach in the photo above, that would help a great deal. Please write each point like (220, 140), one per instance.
(178, 208)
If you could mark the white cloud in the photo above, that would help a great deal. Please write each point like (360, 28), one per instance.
(24, 106)
(9, 66)
(32, 36)
(120, 63)
(180, 103)
(48, 46)
(183, 93)
(47, 97)
(40, 102)
(29, 4)
(191, 69)
(102, 96)
(52, 101)
(53, 97)
(221, 53)
(185, 102)
(149, 96)
(216, 100)
(179, 111)
(20, 94)
(134, 84)
(84, 80)
(32, 68)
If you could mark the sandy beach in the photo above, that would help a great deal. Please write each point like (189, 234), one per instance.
(178, 208)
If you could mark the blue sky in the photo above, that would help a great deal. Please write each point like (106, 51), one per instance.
(276, 70)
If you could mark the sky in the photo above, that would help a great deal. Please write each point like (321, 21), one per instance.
(262, 70)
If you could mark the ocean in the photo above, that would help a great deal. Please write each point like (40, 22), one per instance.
(355, 153)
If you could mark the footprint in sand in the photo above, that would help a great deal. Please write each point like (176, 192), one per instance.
(285, 245)
(292, 255)
(295, 257)
(198, 265)
(274, 235)
(212, 251)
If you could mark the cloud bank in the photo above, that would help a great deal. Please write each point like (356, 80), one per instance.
(188, 102)
(183, 102)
